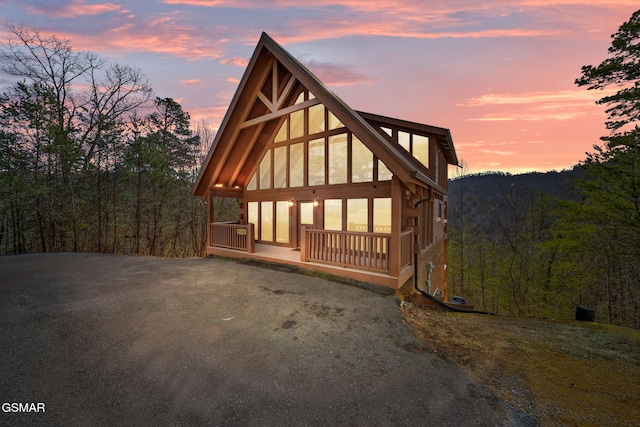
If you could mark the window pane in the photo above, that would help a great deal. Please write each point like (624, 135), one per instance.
(384, 174)
(382, 215)
(252, 183)
(316, 162)
(333, 214)
(299, 99)
(338, 159)
(387, 131)
(252, 217)
(404, 140)
(282, 222)
(265, 171)
(334, 123)
(358, 215)
(306, 213)
(282, 133)
(297, 124)
(280, 167)
(266, 221)
(296, 165)
(421, 149)
(316, 119)
(361, 162)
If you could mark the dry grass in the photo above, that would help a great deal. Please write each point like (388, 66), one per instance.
(563, 373)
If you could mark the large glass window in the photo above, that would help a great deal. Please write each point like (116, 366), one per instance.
(404, 139)
(361, 162)
(421, 149)
(280, 167)
(282, 133)
(384, 174)
(282, 222)
(358, 215)
(382, 215)
(334, 123)
(316, 119)
(316, 162)
(252, 217)
(252, 183)
(266, 221)
(265, 171)
(296, 165)
(338, 159)
(333, 214)
(297, 124)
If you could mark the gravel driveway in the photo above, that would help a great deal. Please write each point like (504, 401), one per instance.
(127, 340)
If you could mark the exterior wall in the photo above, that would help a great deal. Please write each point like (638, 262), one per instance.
(436, 255)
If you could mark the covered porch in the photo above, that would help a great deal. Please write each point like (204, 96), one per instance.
(366, 257)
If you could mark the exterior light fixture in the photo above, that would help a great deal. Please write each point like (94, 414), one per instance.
(218, 185)
(316, 201)
(291, 202)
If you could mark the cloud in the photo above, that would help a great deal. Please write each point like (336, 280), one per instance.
(336, 74)
(190, 82)
(536, 106)
(240, 62)
(73, 9)
(162, 36)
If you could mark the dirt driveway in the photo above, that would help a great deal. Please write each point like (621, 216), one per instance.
(124, 340)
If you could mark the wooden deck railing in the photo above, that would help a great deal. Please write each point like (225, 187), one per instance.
(369, 251)
(232, 236)
(406, 248)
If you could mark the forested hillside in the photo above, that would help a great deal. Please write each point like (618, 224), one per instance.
(522, 245)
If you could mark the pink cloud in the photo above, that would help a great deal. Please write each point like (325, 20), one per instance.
(240, 62)
(163, 36)
(336, 74)
(537, 106)
(74, 8)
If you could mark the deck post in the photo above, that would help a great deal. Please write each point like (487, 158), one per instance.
(251, 239)
(396, 227)
(303, 243)
(210, 214)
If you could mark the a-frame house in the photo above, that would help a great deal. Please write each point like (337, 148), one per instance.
(323, 187)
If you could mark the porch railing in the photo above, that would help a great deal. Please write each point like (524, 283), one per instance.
(232, 236)
(370, 251)
(406, 248)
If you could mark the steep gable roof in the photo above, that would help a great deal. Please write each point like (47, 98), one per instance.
(265, 94)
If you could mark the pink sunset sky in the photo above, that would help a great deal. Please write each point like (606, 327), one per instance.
(499, 73)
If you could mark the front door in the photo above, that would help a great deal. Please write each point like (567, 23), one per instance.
(306, 216)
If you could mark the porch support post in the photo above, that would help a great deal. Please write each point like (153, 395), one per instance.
(303, 243)
(210, 216)
(251, 239)
(395, 252)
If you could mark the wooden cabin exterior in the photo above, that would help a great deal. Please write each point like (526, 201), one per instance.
(323, 187)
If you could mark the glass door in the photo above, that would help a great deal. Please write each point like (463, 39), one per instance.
(306, 216)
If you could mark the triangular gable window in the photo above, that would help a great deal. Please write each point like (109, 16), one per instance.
(311, 136)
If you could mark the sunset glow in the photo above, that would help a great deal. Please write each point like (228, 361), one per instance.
(499, 74)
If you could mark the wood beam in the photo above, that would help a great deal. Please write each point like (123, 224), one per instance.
(265, 100)
(287, 89)
(279, 113)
